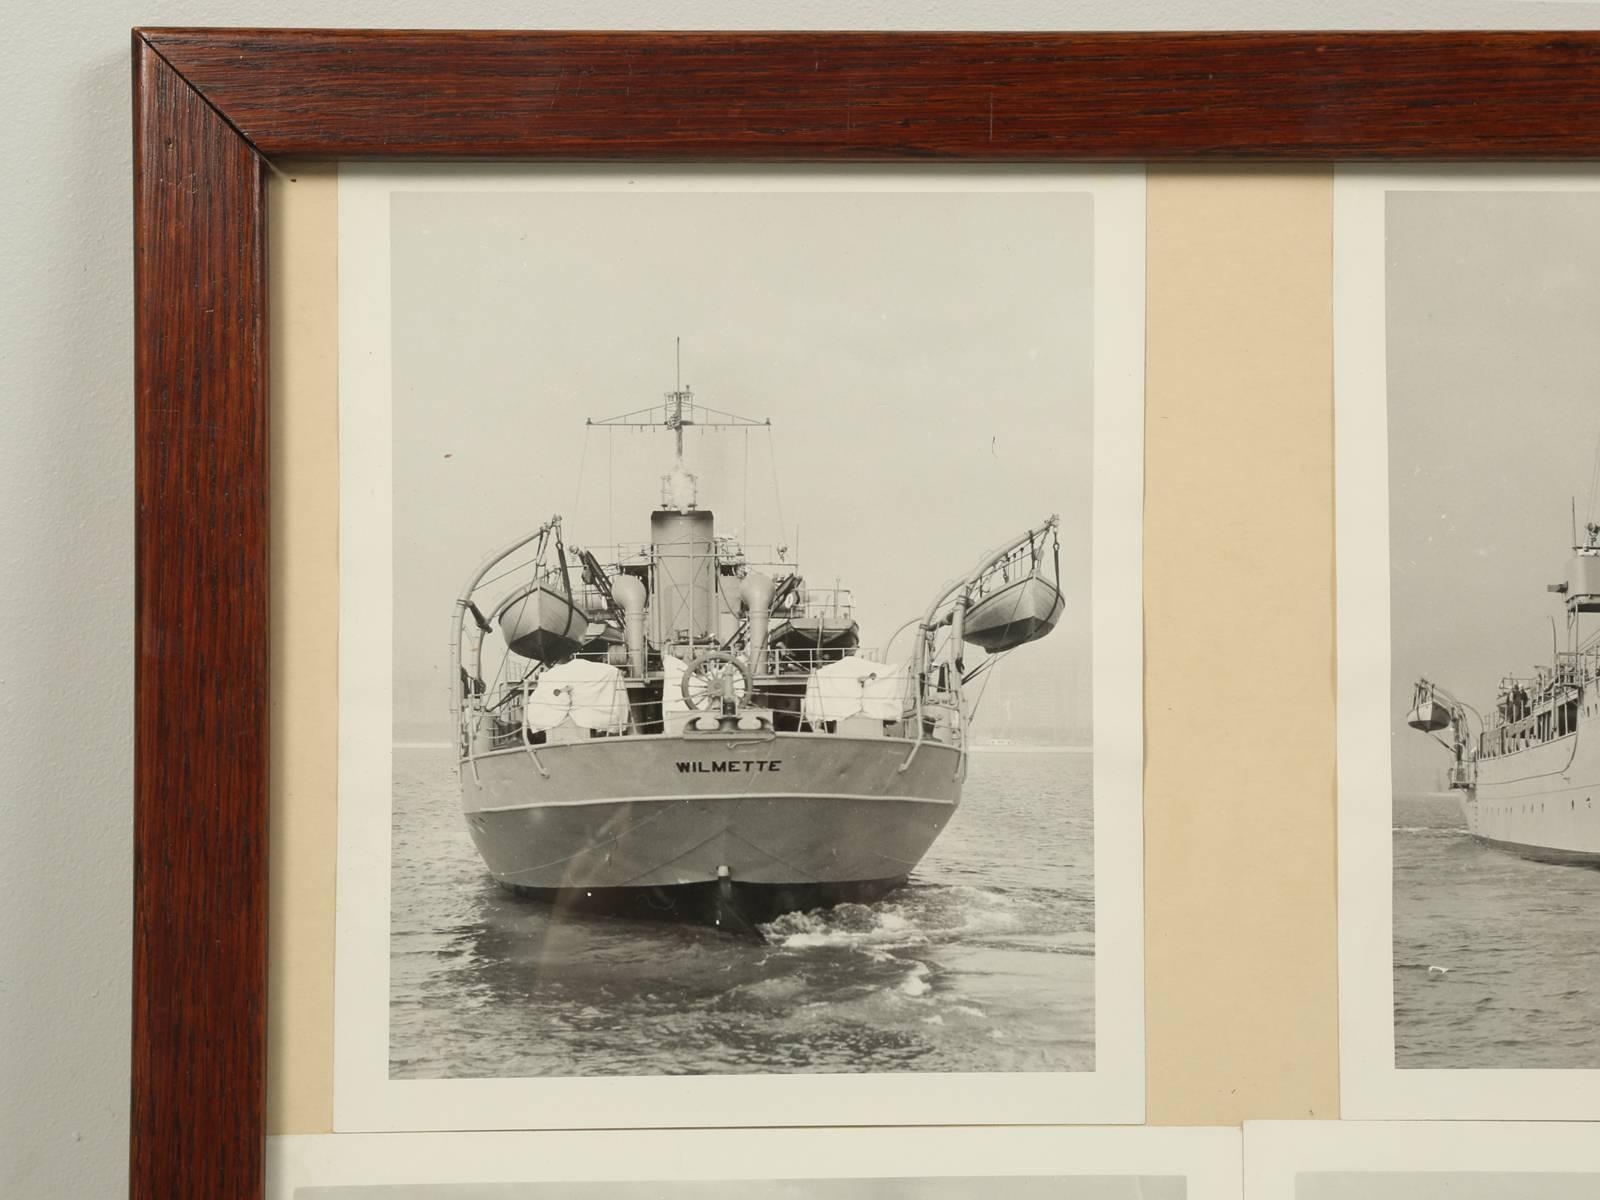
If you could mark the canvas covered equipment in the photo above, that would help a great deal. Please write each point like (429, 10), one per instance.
(857, 687)
(592, 695)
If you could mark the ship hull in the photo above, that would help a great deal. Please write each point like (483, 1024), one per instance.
(1543, 802)
(1551, 855)
(774, 822)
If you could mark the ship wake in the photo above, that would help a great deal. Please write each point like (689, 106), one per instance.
(925, 916)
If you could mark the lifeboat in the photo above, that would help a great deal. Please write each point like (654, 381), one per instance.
(1014, 614)
(815, 620)
(1430, 716)
(542, 623)
(816, 632)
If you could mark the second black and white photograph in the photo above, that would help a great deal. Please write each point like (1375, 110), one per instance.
(739, 605)
(1490, 387)
(1126, 1163)
(1035, 1187)
(1420, 1160)
(1494, 478)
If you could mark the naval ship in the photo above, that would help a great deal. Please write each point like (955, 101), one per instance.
(686, 727)
(1528, 771)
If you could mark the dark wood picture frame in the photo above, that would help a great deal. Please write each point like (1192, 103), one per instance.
(213, 106)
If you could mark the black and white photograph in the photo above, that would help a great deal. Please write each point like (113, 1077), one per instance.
(1493, 299)
(1490, 392)
(1038, 1187)
(738, 632)
(1447, 1185)
(1420, 1160)
(1126, 1163)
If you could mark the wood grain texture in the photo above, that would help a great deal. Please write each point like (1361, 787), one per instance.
(886, 96)
(200, 767)
(208, 104)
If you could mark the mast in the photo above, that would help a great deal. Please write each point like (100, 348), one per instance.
(679, 409)
(676, 398)
(683, 587)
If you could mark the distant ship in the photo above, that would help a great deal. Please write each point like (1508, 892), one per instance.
(682, 727)
(1528, 771)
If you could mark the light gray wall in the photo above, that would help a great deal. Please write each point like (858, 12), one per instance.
(66, 484)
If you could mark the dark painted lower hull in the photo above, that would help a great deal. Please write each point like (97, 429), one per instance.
(1550, 855)
(725, 904)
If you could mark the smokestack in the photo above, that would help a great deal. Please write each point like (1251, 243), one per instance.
(684, 607)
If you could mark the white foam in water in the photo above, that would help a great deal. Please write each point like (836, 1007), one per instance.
(852, 925)
(916, 983)
(910, 919)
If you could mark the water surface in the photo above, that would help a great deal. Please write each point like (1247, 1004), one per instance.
(982, 962)
(1496, 959)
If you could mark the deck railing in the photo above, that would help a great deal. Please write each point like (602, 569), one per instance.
(494, 721)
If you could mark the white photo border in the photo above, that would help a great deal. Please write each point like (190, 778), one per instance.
(1372, 1087)
(1208, 1159)
(1277, 1152)
(365, 1097)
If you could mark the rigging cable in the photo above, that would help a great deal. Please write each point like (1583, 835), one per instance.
(538, 556)
(1594, 482)
(988, 667)
(777, 496)
(583, 458)
(511, 570)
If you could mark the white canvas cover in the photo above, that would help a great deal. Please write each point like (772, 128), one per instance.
(591, 695)
(672, 702)
(857, 686)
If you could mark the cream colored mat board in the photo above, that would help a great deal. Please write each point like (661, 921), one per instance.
(1239, 792)
(303, 265)
(1240, 917)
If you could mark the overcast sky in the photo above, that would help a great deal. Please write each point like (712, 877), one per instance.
(926, 359)
(1494, 418)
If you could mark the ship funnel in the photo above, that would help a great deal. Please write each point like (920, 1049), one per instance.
(684, 607)
(756, 594)
(630, 596)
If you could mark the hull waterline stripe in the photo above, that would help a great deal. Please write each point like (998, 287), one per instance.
(705, 739)
(877, 799)
(1549, 855)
